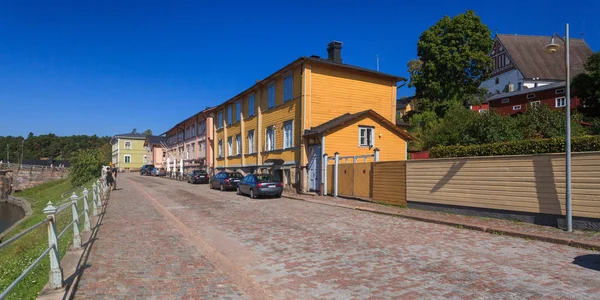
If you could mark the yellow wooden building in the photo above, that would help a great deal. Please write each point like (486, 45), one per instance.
(287, 121)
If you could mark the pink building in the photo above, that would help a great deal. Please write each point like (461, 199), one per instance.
(155, 147)
(190, 142)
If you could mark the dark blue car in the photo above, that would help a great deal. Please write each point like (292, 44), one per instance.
(226, 180)
(260, 185)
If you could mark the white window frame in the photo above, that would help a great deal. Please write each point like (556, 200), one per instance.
(251, 105)
(535, 103)
(563, 99)
(229, 146)
(271, 96)
(220, 148)
(270, 142)
(238, 144)
(251, 141)
(559, 91)
(288, 137)
(366, 129)
(127, 158)
(516, 107)
(125, 145)
(505, 100)
(288, 86)
(531, 96)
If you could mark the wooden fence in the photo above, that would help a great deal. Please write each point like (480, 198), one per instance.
(529, 183)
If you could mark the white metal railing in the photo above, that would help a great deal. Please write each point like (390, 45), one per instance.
(100, 194)
(24, 167)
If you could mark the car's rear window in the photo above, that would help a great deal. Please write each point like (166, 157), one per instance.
(267, 178)
(199, 172)
(235, 175)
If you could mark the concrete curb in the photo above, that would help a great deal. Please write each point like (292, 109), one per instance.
(492, 230)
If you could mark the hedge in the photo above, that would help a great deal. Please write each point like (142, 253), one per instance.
(537, 146)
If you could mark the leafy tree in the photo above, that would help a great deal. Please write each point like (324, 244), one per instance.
(541, 121)
(586, 86)
(148, 132)
(453, 61)
(85, 166)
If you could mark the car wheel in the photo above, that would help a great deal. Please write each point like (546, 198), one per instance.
(252, 194)
(222, 188)
(279, 196)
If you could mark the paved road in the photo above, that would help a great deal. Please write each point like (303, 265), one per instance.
(166, 239)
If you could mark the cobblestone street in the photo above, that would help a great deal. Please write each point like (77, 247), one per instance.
(164, 239)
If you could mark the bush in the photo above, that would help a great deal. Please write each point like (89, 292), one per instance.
(536, 146)
(85, 166)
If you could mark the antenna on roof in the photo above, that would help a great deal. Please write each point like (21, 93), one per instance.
(496, 31)
(377, 58)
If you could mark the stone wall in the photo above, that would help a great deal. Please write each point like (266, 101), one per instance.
(19, 179)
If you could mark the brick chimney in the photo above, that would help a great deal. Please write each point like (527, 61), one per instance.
(134, 131)
(334, 51)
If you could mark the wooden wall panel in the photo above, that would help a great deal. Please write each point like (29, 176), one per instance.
(389, 182)
(530, 183)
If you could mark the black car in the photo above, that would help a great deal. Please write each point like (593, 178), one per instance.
(146, 169)
(226, 180)
(260, 185)
(198, 176)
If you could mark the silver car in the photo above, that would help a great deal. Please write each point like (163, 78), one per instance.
(257, 185)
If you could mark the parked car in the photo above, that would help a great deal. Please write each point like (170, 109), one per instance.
(159, 172)
(198, 176)
(146, 169)
(257, 185)
(226, 180)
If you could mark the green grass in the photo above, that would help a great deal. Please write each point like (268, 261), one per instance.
(16, 257)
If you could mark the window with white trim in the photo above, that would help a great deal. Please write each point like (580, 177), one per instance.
(560, 102)
(193, 150)
(250, 141)
(251, 105)
(366, 136)
(220, 148)
(534, 103)
(238, 110)
(531, 96)
(230, 146)
(127, 145)
(288, 134)
(127, 158)
(517, 107)
(271, 95)
(559, 91)
(505, 100)
(229, 114)
(220, 120)
(238, 144)
(288, 87)
(270, 139)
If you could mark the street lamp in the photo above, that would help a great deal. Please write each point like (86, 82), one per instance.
(550, 49)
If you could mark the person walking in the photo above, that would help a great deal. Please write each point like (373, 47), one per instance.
(115, 172)
(110, 181)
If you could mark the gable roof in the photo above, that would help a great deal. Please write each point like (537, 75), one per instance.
(403, 102)
(555, 85)
(527, 53)
(152, 140)
(348, 118)
(131, 135)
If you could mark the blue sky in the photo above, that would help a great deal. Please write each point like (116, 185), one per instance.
(106, 67)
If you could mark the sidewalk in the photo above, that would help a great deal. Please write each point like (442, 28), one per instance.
(581, 239)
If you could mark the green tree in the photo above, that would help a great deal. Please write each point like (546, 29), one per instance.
(85, 166)
(453, 61)
(586, 86)
(148, 132)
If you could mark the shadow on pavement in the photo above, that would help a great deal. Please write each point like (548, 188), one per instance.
(588, 261)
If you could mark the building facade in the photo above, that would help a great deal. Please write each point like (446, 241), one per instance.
(156, 153)
(128, 153)
(277, 124)
(188, 143)
(551, 95)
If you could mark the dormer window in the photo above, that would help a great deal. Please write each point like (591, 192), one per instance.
(531, 96)
(497, 80)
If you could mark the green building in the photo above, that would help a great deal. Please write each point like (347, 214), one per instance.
(128, 153)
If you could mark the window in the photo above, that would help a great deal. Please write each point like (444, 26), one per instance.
(288, 87)
(270, 139)
(127, 145)
(238, 144)
(559, 91)
(482, 110)
(288, 135)
(202, 149)
(517, 107)
(127, 159)
(497, 80)
(505, 100)
(201, 128)
(365, 136)
(220, 120)
(271, 95)
(229, 146)
(561, 102)
(193, 130)
(145, 159)
(193, 150)
(220, 148)
(238, 110)
(251, 105)
(535, 84)
(531, 96)
(519, 86)
(534, 103)
(229, 115)
(250, 141)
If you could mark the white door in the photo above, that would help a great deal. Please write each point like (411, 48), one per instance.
(314, 168)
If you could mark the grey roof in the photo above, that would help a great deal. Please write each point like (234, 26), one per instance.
(527, 52)
(131, 135)
(152, 140)
(403, 102)
(555, 85)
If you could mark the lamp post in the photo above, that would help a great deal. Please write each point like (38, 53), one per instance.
(550, 49)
